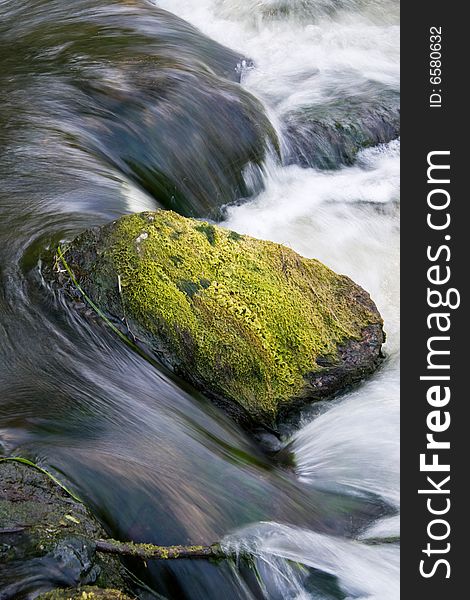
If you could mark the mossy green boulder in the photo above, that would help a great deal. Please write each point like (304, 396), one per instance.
(251, 323)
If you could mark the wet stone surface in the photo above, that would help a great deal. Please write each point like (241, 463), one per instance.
(46, 537)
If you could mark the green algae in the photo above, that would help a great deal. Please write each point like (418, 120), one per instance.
(242, 318)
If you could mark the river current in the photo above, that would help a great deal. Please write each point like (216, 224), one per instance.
(155, 460)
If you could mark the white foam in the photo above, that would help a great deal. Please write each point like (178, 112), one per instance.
(363, 572)
(299, 61)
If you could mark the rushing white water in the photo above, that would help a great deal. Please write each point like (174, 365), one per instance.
(363, 572)
(355, 443)
(307, 55)
(388, 527)
(346, 219)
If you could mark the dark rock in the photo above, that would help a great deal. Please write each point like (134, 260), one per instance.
(47, 537)
(147, 95)
(114, 33)
(329, 135)
(186, 137)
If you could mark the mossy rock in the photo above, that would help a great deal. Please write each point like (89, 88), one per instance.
(85, 593)
(330, 134)
(251, 323)
(47, 537)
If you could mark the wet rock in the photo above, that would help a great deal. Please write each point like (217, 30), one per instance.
(85, 593)
(144, 95)
(112, 33)
(46, 537)
(331, 134)
(194, 141)
(258, 328)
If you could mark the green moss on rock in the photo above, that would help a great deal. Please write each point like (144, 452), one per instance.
(245, 320)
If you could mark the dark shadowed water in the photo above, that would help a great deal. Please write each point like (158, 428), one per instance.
(111, 107)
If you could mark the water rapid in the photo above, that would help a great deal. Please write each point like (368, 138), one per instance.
(89, 90)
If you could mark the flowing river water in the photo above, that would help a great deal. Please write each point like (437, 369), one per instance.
(155, 460)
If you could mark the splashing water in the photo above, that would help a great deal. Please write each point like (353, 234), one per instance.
(305, 60)
(363, 572)
(348, 219)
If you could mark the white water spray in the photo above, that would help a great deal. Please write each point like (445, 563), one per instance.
(362, 571)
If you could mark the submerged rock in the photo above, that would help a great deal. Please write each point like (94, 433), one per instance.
(137, 95)
(46, 537)
(194, 141)
(251, 323)
(331, 134)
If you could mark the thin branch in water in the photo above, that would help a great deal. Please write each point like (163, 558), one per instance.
(151, 552)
